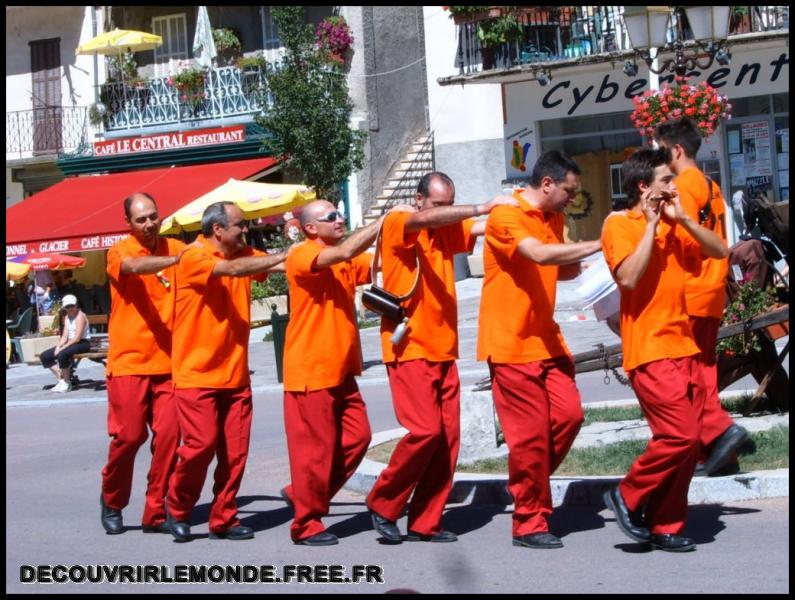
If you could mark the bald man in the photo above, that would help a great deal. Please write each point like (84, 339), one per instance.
(140, 391)
(324, 415)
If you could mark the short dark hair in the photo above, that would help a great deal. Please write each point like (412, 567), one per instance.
(639, 168)
(215, 214)
(131, 198)
(555, 164)
(423, 187)
(680, 131)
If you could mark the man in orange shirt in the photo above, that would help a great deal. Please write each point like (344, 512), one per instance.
(140, 391)
(421, 368)
(705, 290)
(531, 368)
(324, 416)
(210, 369)
(645, 247)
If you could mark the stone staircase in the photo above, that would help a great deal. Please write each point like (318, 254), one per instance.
(401, 182)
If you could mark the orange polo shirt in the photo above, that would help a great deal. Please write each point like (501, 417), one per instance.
(705, 280)
(654, 322)
(322, 346)
(433, 309)
(211, 323)
(142, 311)
(517, 306)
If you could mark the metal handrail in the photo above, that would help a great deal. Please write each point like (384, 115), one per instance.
(408, 182)
(51, 130)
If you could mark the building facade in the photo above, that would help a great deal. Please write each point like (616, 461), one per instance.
(563, 86)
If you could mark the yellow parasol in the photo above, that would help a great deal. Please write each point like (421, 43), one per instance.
(254, 199)
(16, 271)
(119, 41)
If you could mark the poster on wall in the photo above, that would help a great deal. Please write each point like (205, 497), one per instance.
(521, 154)
(734, 142)
(737, 169)
(756, 149)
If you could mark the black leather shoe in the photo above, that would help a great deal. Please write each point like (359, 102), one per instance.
(724, 447)
(286, 498)
(388, 529)
(324, 538)
(441, 537)
(672, 543)
(159, 528)
(179, 529)
(238, 532)
(542, 541)
(111, 518)
(629, 522)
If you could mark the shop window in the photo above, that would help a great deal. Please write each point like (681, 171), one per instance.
(618, 199)
(780, 103)
(173, 29)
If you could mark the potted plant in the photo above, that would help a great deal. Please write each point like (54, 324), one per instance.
(749, 302)
(249, 64)
(190, 84)
(701, 103)
(334, 38)
(473, 14)
(227, 44)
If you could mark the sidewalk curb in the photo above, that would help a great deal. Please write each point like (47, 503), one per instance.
(473, 488)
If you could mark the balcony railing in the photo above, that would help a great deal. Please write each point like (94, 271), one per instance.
(227, 93)
(558, 33)
(46, 131)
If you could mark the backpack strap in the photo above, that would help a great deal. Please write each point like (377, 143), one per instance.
(374, 266)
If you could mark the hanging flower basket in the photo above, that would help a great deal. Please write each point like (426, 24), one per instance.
(334, 38)
(701, 103)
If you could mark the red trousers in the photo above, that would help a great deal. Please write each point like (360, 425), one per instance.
(327, 437)
(539, 409)
(671, 396)
(214, 422)
(715, 420)
(426, 396)
(133, 403)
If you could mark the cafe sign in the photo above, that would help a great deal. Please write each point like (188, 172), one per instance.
(176, 140)
(73, 244)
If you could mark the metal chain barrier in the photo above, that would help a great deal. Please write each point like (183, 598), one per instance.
(606, 358)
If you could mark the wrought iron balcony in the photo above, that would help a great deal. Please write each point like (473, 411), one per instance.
(562, 33)
(45, 131)
(228, 94)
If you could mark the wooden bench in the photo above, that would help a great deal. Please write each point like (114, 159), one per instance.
(99, 347)
(98, 323)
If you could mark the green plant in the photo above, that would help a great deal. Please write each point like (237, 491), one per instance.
(751, 300)
(274, 285)
(98, 113)
(190, 83)
(122, 67)
(226, 39)
(310, 112)
(251, 62)
(465, 11)
(504, 29)
(188, 79)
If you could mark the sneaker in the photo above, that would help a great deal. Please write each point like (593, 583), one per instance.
(62, 387)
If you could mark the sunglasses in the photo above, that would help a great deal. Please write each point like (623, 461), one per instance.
(241, 224)
(329, 218)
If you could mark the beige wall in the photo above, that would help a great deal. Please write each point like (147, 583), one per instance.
(94, 271)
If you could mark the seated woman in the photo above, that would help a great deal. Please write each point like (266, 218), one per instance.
(75, 336)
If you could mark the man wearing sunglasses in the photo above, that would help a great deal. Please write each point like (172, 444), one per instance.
(705, 291)
(421, 367)
(324, 416)
(210, 369)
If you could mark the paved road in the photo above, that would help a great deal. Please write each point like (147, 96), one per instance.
(55, 453)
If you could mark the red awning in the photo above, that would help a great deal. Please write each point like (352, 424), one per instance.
(87, 213)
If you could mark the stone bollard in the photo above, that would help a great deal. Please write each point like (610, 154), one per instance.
(478, 428)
